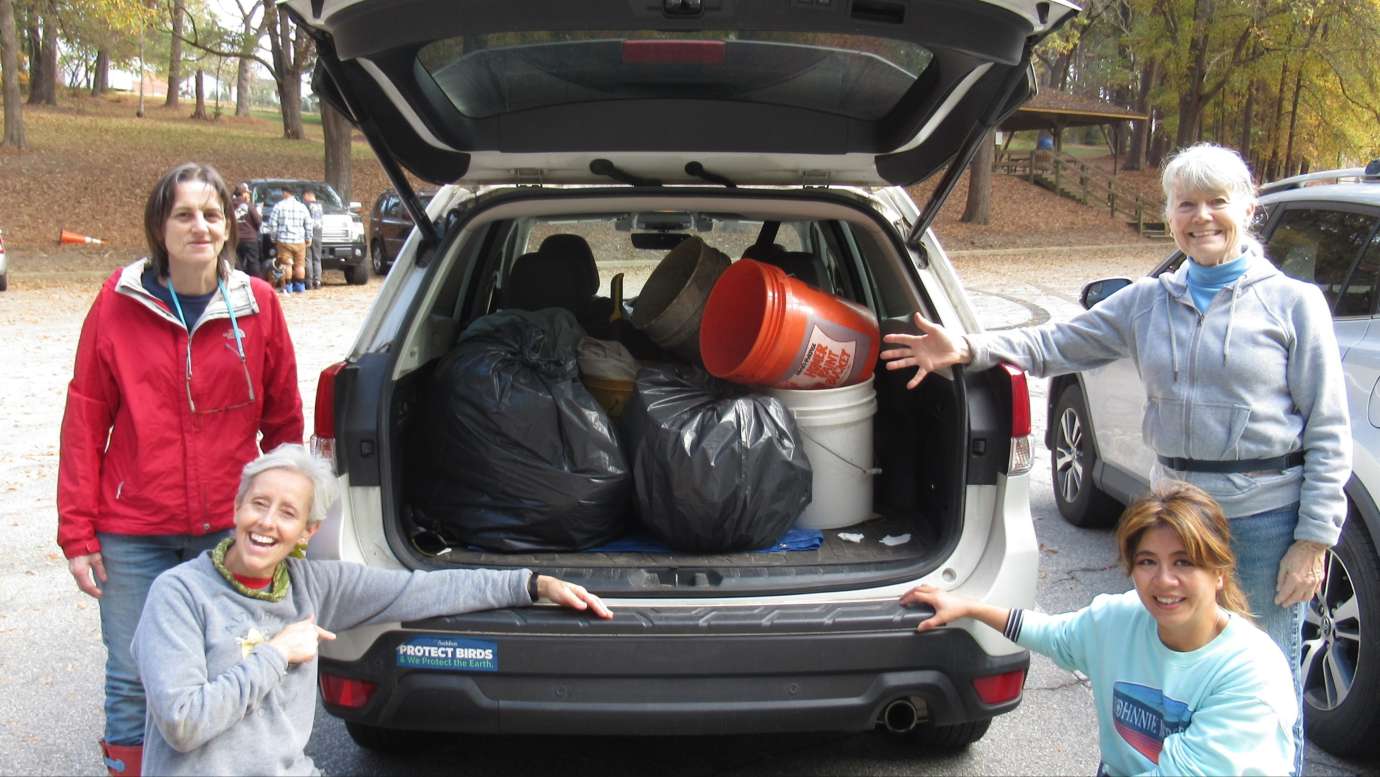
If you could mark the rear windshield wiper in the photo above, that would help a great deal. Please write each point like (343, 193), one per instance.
(606, 168)
(696, 169)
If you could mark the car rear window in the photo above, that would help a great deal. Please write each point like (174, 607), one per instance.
(850, 75)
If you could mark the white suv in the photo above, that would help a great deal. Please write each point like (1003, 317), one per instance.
(1323, 228)
(783, 128)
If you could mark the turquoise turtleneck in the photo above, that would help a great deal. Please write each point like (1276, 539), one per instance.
(1205, 282)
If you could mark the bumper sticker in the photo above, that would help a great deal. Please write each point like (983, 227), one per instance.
(448, 654)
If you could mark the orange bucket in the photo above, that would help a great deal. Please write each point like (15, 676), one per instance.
(764, 328)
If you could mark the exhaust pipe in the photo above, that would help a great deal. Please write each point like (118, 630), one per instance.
(900, 716)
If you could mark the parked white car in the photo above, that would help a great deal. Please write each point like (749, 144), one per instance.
(783, 128)
(1323, 228)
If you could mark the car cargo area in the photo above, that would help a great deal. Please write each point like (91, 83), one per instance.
(921, 439)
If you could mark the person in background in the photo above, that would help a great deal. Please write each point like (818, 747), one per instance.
(289, 224)
(1243, 380)
(314, 248)
(1183, 683)
(247, 224)
(227, 645)
(182, 364)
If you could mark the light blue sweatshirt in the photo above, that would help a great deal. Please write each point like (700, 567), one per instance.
(1258, 375)
(221, 700)
(1226, 708)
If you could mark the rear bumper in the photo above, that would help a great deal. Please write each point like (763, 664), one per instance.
(795, 671)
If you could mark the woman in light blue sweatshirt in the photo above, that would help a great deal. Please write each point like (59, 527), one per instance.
(227, 643)
(1182, 682)
(1243, 380)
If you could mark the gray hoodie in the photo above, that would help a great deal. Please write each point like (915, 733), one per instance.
(223, 701)
(1258, 375)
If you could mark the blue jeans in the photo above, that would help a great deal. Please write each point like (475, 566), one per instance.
(131, 564)
(1259, 542)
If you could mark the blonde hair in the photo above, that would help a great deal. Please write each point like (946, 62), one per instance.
(1202, 528)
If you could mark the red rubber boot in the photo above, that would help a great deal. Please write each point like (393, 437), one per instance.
(123, 760)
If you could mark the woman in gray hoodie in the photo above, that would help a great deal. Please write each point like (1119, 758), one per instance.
(1243, 380)
(227, 643)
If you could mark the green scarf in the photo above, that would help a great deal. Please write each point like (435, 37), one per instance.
(274, 593)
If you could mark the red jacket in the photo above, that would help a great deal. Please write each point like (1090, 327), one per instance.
(167, 469)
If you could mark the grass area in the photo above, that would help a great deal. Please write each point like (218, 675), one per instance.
(1024, 143)
(91, 162)
(276, 116)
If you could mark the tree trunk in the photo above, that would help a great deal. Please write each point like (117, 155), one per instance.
(289, 62)
(100, 80)
(979, 207)
(175, 57)
(1293, 119)
(242, 86)
(9, 77)
(1158, 143)
(43, 71)
(338, 132)
(1140, 133)
(1248, 120)
(200, 111)
(1191, 94)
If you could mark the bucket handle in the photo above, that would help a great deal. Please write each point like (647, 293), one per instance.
(841, 457)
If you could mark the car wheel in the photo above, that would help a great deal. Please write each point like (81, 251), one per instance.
(357, 274)
(1072, 461)
(1341, 634)
(4, 281)
(376, 258)
(384, 740)
(954, 737)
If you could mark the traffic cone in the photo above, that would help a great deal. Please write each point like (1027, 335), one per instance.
(66, 238)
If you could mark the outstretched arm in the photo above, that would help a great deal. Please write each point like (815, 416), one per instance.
(933, 349)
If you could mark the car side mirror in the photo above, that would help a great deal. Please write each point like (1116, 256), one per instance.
(1097, 291)
(354, 206)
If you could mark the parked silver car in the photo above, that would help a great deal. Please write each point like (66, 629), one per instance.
(1323, 228)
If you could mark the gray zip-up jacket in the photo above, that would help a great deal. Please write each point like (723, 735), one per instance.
(221, 700)
(1258, 375)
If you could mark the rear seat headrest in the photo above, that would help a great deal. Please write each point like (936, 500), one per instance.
(573, 250)
(801, 265)
(540, 280)
(763, 251)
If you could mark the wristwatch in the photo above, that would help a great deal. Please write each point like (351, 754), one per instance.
(532, 587)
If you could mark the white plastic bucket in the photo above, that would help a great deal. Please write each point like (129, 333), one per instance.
(836, 425)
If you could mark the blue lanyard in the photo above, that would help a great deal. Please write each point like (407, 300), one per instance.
(234, 324)
(234, 327)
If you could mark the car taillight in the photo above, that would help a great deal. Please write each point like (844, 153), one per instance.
(999, 688)
(345, 691)
(323, 425)
(1022, 452)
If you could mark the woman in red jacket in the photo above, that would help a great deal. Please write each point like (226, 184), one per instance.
(183, 361)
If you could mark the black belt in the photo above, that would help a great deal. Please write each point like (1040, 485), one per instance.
(1286, 461)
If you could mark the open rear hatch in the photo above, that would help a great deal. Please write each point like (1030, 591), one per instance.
(787, 92)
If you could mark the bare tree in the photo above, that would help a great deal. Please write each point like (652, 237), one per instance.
(293, 52)
(251, 34)
(200, 111)
(9, 64)
(179, 12)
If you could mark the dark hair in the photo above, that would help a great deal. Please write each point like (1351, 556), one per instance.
(160, 204)
(1201, 526)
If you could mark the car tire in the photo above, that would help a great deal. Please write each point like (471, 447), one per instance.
(357, 274)
(949, 738)
(1071, 462)
(376, 259)
(4, 281)
(1341, 678)
(384, 740)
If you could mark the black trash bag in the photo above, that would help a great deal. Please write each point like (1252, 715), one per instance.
(524, 457)
(717, 468)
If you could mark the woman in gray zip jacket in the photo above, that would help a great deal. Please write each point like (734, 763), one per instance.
(1243, 379)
